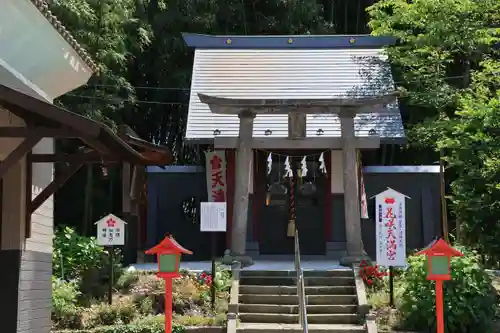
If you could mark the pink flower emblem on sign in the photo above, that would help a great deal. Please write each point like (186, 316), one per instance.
(111, 223)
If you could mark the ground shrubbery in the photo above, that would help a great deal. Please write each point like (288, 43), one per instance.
(80, 281)
(140, 301)
(470, 301)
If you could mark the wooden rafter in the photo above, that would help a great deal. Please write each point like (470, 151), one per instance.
(58, 181)
(86, 157)
(18, 153)
(44, 132)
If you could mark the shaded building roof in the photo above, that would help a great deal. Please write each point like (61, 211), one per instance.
(36, 112)
(291, 68)
(43, 7)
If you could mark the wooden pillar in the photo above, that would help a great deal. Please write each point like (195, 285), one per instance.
(242, 175)
(126, 205)
(351, 196)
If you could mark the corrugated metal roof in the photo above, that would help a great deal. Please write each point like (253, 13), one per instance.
(290, 74)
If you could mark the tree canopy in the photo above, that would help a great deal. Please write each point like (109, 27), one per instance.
(447, 61)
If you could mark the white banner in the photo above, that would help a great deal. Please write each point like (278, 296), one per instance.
(390, 228)
(213, 217)
(216, 175)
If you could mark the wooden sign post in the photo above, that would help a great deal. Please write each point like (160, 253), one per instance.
(213, 213)
(111, 233)
(168, 254)
(390, 220)
(213, 219)
(439, 254)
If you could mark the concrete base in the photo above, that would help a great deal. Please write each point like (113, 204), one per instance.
(229, 258)
(252, 249)
(349, 260)
(335, 250)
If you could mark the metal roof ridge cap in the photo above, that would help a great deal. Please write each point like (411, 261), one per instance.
(286, 41)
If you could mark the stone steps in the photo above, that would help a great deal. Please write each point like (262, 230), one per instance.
(325, 318)
(295, 328)
(294, 309)
(290, 281)
(268, 302)
(292, 290)
(293, 274)
(293, 299)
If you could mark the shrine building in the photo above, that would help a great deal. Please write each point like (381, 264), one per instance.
(284, 121)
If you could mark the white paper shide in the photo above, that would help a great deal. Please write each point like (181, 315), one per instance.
(213, 217)
(390, 228)
(110, 231)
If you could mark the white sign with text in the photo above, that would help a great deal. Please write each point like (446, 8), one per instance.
(390, 228)
(110, 231)
(213, 217)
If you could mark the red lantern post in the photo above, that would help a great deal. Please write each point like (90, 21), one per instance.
(168, 253)
(439, 254)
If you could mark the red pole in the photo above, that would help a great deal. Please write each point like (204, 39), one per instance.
(168, 305)
(439, 306)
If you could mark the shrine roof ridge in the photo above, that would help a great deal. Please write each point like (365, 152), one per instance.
(287, 41)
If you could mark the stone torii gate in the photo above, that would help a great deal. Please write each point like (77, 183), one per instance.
(345, 108)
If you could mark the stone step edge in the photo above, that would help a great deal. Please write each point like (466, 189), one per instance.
(294, 288)
(296, 314)
(308, 305)
(307, 296)
(260, 327)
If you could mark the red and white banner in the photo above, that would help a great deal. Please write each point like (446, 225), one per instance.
(390, 228)
(363, 200)
(216, 175)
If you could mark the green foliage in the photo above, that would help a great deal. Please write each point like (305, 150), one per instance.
(104, 314)
(145, 326)
(448, 64)
(106, 29)
(64, 294)
(441, 41)
(223, 279)
(74, 255)
(127, 280)
(469, 299)
(472, 142)
(80, 258)
(65, 312)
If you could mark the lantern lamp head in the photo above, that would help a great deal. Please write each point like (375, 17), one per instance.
(168, 254)
(438, 256)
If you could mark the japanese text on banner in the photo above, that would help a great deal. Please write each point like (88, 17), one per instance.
(216, 176)
(390, 229)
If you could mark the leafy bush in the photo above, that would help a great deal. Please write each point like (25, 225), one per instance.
(200, 320)
(64, 294)
(118, 313)
(74, 254)
(65, 312)
(223, 279)
(127, 280)
(469, 299)
(79, 257)
(148, 325)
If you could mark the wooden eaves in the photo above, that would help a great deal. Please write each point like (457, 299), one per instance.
(45, 120)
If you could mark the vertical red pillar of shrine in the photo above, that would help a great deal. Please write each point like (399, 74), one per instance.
(439, 306)
(230, 180)
(168, 305)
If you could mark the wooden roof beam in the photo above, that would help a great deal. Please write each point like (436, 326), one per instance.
(18, 153)
(60, 179)
(356, 104)
(372, 142)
